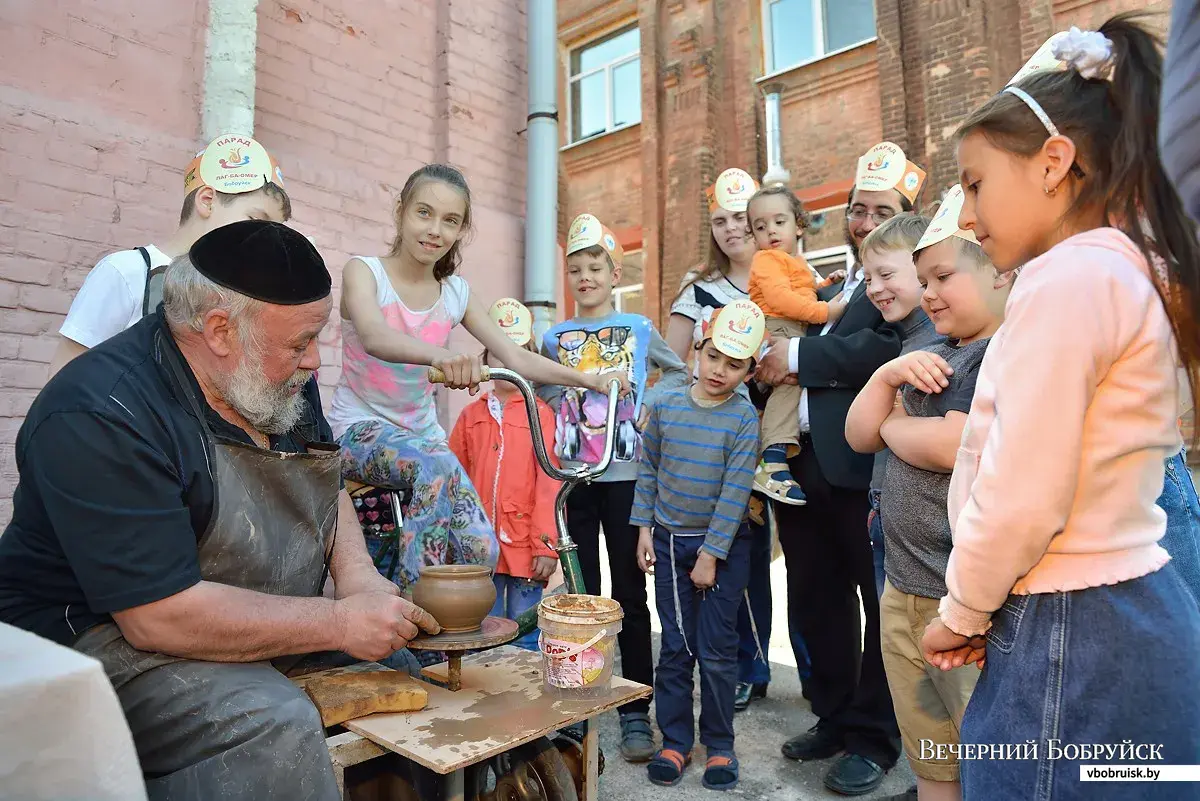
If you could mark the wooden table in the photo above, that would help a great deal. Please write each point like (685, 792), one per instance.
(501, 705)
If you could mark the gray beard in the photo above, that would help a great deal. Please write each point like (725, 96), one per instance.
(270, 408)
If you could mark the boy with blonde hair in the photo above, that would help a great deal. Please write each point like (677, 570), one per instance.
(893, 287)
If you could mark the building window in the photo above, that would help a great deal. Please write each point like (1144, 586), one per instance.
(796, 31)
(826, 260)
(606, 84)
(628, 299)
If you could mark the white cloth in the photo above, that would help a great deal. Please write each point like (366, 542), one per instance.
(853, 279)
(110, 299)
(63, 736)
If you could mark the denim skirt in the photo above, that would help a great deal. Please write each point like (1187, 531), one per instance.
(1072, 672)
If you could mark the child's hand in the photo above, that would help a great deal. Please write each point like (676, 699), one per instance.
(601, 382)
(462, 371)
(836, 277)
(645, 550)
(946, 650)
(704, 574)
(926, 371)
(836, 309)
(543, 568)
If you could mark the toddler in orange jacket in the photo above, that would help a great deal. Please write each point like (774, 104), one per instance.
(493, 441)
(785, 288)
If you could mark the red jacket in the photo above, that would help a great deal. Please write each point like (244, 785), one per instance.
(517, 495)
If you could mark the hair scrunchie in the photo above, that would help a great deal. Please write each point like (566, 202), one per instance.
(1089, 53)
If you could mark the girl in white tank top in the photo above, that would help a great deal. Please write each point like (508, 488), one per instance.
(397, 315)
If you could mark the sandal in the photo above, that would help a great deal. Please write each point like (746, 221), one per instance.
(666, 769)
(720, 772)
(776, 482)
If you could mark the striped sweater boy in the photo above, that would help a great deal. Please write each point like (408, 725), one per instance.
(697, 468)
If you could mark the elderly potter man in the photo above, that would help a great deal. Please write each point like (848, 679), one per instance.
(178, 511)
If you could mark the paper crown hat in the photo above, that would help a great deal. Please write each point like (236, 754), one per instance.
(738, 329)
(731, 191)
(232, 164)
(587, 231)
(514, 319)
(945, 222)
(885, 167)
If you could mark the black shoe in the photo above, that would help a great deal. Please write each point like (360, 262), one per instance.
(908, 795)
(854, 775)
(816, 743)
(747, 693)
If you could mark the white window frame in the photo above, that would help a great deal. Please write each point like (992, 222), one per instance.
(826, 256)
(621, 291)
(607, 69)
(769, 65)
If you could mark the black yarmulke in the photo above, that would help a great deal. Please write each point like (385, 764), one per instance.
(264, 260)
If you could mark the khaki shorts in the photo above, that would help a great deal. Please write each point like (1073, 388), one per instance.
(929, 702)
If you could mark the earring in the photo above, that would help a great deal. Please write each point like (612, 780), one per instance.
(1049, 192)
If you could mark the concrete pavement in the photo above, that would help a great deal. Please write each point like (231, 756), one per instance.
(761, 730)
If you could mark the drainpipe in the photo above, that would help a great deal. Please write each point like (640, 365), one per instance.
(541, 203)
(230, 61)
(776, 174)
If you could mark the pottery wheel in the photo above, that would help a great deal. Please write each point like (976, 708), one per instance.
(492, 632)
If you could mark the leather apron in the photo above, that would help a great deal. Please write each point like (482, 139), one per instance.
(271, 530)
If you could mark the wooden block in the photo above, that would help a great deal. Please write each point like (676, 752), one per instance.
(343, 696)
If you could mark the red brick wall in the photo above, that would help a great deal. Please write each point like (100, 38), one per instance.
(98, 118)
(350, 121)
(604, 178)
(830, 115)
(98, 112)
(1090, 14)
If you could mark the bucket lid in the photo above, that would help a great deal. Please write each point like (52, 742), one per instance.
(580, 609)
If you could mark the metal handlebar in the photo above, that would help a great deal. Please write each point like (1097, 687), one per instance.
(570, 478)
(580, 473)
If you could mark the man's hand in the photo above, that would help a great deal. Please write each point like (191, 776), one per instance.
(543, 568)
(374, 625)
(363, 580)
(645, 550)
(774, 366)
(946, 650)
(836, 309)
(926, 371)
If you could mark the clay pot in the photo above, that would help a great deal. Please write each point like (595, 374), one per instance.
(458, 596)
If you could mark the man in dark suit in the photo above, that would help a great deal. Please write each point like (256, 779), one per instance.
(826, 543)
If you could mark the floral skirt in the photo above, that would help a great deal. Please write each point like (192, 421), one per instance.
(445, 522)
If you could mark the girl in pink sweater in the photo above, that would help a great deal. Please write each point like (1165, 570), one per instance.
(1057, 580)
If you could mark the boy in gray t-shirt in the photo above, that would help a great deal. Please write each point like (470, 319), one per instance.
(916, 405)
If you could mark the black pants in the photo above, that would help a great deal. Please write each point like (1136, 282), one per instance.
(608, 504)
(829, 564)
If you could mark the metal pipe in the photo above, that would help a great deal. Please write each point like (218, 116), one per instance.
(230, 68)
(541, 202)
(776, 173)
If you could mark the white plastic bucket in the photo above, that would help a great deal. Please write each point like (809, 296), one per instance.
(578, 642)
